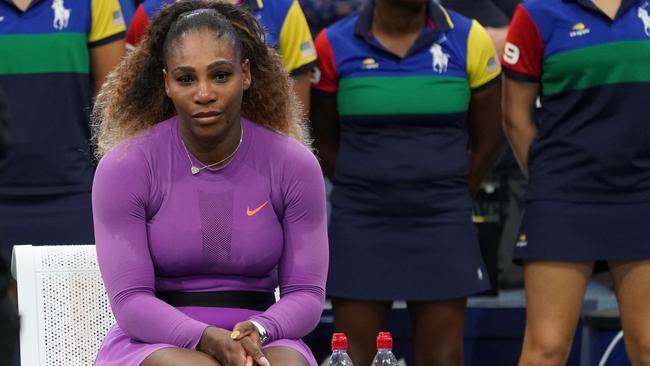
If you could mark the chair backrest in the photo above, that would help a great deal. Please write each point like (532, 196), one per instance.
(62, 302)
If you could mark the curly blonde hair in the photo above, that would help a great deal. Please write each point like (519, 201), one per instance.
(133, 97)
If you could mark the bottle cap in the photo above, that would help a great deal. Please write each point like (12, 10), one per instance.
(384, 340)
(339, 342)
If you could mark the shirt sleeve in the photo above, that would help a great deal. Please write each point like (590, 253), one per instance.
(524, 49)
(482, 61)
(120, 197)
(325, 77)
(295, 43)
(107, 22)
(137, 27)
(302, 270)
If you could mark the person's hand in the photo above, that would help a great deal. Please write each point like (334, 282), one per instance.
(246, 334)
(218, 343)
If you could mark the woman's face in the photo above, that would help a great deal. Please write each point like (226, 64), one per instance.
(205, 79)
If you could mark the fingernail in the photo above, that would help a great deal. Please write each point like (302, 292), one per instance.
(235, 334)
(265, 361)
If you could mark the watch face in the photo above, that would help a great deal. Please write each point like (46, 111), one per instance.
(264, 336)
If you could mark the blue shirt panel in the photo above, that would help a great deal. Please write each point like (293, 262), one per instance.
(39, 18)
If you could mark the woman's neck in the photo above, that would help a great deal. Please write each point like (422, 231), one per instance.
(393, 18)
(211, 151)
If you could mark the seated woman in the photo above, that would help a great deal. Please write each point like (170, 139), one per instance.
(206, 198)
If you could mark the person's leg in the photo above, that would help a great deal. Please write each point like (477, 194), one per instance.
(438, 331)
(554, 294)
(179, 357)
(360, 321)
(632, 285)
(285, 356)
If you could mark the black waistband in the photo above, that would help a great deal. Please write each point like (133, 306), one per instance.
(221, 299)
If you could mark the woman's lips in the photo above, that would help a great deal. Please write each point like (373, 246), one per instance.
(206, 117)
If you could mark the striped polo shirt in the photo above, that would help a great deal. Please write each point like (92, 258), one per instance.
(593, 142)
(45, 74)
(403, 121)
(284, 22)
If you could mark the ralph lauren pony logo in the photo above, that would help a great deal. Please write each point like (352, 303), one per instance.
(642, 13)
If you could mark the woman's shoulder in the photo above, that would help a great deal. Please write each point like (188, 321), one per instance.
(140, 148)
(281, 148)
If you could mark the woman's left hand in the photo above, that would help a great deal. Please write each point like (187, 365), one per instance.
(247, 335)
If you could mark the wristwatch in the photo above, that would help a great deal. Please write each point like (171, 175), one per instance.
(264, 335)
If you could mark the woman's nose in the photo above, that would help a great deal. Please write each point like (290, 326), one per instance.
(205, 93)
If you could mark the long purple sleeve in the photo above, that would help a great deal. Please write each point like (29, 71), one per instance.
(258, 223)
(304, 261)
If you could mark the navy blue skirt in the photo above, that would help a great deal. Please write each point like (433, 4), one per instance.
(47, 219)
(402, 257)
(570, 231)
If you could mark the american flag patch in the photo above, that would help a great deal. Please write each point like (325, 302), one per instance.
(492, 64)
(307, 49)
(118, 19)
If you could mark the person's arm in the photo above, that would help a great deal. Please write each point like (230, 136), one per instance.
(103, 59)
(519, 99)
(484, 132)
(302, 88)
(325, 129)
(484, 114)
(106, 39)
(298, 53)
(522, 62)
(324, 110)
(302, 270)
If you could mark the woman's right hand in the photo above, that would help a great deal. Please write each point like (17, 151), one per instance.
(217, 343)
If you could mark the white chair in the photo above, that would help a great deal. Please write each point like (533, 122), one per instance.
(62, 303)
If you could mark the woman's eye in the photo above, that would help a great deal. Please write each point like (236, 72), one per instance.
(185, 79)
(221, 76)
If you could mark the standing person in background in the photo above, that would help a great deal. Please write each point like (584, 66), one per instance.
(403, 89)
(55, 54)
(587, 157)
(200, 213)
(286, 30)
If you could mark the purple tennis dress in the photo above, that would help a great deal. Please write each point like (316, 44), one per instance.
(253, 225)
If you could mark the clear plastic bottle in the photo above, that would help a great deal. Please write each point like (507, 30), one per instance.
(340, 351)
(384, 356)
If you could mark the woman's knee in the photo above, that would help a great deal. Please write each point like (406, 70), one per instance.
(546, 349)
(285, 356)
(637, 345)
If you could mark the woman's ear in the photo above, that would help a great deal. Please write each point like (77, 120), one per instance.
(246, 74)
(165, 80)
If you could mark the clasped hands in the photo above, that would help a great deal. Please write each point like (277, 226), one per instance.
(241, 347)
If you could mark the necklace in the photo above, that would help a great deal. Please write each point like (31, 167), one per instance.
(195, 170)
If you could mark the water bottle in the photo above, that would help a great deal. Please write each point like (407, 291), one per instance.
(340, 351)
(384, 356)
